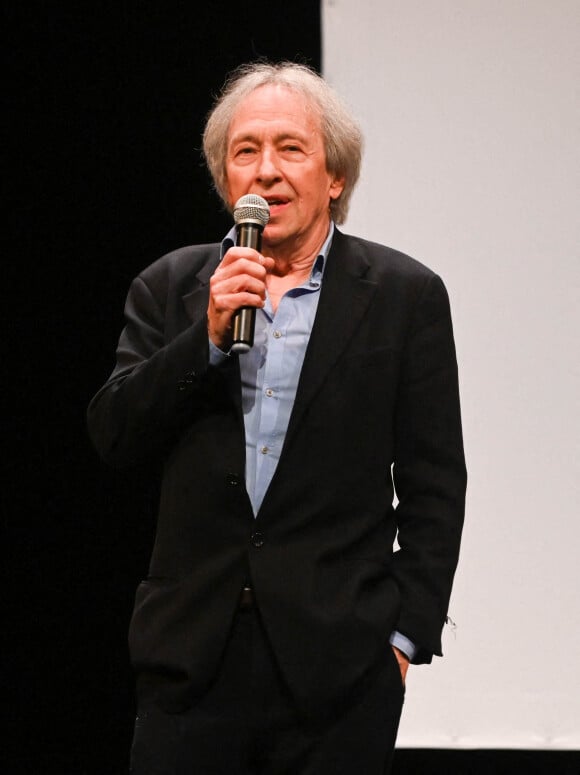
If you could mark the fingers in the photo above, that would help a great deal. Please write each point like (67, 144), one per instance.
(226, 299)
(234, 285)
(245, 259)
(242, 270)
(239, 281)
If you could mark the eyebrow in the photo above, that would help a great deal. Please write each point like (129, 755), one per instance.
(252, 138)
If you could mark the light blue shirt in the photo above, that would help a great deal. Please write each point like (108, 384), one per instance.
(270, 372)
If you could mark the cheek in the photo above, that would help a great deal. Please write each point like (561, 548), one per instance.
(234, 178)
(234, 189)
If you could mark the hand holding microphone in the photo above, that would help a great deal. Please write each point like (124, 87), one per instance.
(239, 279)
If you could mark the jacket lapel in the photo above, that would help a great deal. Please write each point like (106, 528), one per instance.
(344, 299)
(196, 301)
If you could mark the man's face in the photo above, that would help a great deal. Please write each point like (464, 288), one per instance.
(275, 149)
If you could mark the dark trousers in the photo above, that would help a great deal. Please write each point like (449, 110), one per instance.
(247, 723)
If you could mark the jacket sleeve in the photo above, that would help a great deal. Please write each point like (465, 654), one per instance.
(429, 472)
(158, 384)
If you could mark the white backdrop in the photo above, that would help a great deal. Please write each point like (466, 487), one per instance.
(471, 116)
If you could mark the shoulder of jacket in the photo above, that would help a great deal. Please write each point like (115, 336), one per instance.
(183, 260)
(383, 258)
(180, 263)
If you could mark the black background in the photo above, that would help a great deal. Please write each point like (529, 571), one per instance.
(107, 103)
(105, 109)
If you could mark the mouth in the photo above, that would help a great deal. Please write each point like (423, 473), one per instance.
(275, 201)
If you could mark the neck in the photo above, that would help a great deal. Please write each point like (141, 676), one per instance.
(289, 272)
(298, 266)
(295, 259)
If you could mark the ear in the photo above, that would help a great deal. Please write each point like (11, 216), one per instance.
(336, 187)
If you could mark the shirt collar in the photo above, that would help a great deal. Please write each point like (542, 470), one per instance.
(317, 267)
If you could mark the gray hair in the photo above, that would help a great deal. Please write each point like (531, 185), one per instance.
(341, 134)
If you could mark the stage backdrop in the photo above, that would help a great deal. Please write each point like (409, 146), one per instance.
(471, 116)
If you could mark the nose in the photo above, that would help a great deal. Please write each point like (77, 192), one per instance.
(268, 170)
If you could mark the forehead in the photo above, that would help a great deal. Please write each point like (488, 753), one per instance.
(272, 107)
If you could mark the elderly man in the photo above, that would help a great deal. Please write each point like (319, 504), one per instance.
(275, 628)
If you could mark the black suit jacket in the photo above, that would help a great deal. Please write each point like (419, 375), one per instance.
(377, 400)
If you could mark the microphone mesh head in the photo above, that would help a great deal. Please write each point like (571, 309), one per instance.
(253, 208)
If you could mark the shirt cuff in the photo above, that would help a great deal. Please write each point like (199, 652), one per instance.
(403, 644)
(216, 356)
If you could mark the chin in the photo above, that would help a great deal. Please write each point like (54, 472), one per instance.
(273, 237)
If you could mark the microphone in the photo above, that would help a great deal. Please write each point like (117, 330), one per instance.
(251, 214)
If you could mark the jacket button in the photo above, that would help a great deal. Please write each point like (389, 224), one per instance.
(189, 379)
(233, 479)
(257, 539)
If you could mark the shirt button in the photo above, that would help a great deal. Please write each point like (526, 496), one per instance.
(264, 450)
(277, 334)
(257, 539)
(269, 392)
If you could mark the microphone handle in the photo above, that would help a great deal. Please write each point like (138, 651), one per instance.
(248, 235)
